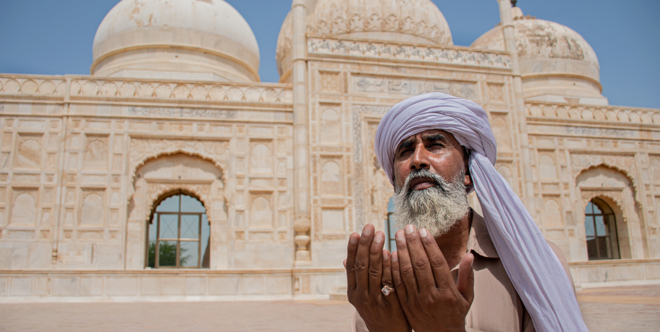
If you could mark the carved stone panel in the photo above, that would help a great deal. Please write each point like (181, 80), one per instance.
(655, 168)
(29, 151)
(412, 87)
(502, 131)
(329, 82)
(333, 221)
(96, 152)
(547, 168)
(261, 211)
(332, 179)
(496, 92)
(261, 156)
(92, 211)
(330, 127)
(552, 216)
(24, 207)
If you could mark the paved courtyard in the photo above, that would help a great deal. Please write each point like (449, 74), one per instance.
(606, 309)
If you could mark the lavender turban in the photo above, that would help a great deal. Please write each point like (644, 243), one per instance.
(530, 263)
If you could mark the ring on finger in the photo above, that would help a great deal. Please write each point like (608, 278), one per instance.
(387, 290)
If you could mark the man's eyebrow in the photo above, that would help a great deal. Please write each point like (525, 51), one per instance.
(405, 144)
(434, 137)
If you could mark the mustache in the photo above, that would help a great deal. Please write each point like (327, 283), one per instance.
(440, 183)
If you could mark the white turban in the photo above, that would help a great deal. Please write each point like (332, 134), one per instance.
(530, 263)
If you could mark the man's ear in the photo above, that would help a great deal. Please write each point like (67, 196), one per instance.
(467, 178)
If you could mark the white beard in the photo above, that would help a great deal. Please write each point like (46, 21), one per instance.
(437, 208)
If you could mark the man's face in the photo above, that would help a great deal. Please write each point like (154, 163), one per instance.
(430, 181)
(434, 150)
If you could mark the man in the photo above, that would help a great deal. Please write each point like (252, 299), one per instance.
(454, 270)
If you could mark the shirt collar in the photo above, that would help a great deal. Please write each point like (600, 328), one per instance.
(479, 241)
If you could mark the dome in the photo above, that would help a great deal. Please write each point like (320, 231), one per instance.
(176, 39)
(391, 21)
(554, 60)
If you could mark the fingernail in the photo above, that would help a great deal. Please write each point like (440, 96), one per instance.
(386, 255)
(368, 230)
(423, 232)
(395, 257)
(353, 239)
(379, 237)
(399, 236)
(409, 229)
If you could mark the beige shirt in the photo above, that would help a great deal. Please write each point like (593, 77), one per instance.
(496, 305)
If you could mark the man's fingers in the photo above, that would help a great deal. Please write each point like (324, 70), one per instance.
(349, 263)
(387, 269)
(361, 264)
(399, 286)
(376, 264)
(465, 282)
(419, 259)
(441, 271)
(406, 270)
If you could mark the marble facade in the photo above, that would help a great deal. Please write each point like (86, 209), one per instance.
(286, 171)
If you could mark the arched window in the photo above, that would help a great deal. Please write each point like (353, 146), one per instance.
(600, 226)
(390, 226)
(179, 233)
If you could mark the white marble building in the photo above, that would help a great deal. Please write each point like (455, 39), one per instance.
(171, 172)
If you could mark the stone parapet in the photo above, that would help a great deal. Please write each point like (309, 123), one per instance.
(609, 115)
(409, 53)
(99, 88)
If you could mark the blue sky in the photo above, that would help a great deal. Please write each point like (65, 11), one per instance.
(54, 37)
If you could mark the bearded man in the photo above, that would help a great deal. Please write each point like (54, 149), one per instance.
(453, 269)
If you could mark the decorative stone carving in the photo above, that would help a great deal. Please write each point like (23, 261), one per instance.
(325, 47)
(302, 226)
(330, 132)
(29, 152)
(412, 87)
(201, 91)
(96, 152)
(655, 168)
(34, 85)
(261, 212)
(496, 92)
(501, 131)
(552, 216)
(93, 208)
(24, 207)
(329, 82)
(331, 178)
(261, 159)
(362, 158)
(622, 163)
(547, 168)
(611, 114)
(142, 150)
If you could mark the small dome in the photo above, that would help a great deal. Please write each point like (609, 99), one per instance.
(176, 39)
(391, 21)
(553, 58)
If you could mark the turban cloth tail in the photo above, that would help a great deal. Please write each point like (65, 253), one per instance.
(532, 266)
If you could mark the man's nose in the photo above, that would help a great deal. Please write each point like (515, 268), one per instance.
(420, 158)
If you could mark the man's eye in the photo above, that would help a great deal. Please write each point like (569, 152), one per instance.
(404, 151)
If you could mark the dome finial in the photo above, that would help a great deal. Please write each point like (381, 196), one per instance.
(513, 2)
